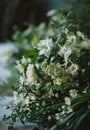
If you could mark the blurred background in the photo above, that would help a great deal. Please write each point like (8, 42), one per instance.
(17, 13)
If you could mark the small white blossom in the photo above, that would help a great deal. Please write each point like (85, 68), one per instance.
(63, 112)
(45, 46)
(62, 51)
(85, 44)
(73, 93)
(58, 81)
(69, 109)
(56, 95)
(57, 115)
(23, 60)
(71, 39)
(85, 90)
(33, 97)
(51, 12)
(80, 34)
(63, 107)
(67, 101)
(37, 104)
(49, 118)
(65, 52)
(73, 69)
(37, 65)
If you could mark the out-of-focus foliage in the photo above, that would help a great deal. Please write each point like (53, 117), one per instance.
(24, 41)
(81, 9)
(6, 68)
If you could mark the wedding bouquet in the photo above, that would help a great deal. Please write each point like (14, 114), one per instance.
(53, 89)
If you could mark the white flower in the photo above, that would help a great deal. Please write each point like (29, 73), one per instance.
(85, 90)
(37, 65)
(80, 34)
(56, 95)
(58, 81)
(65, 52)
(63, 112)
(57, 115)
(62, 51)
(73, 93)
(45, 46)
(73, 69)
(63, 107)
(51, 12)
(30, 74)
(67, 101)
(23, 60)
(71, 39)
(49, 118)
(85, 44)
(69, 109)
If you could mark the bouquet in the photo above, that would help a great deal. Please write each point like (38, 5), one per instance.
(53, 89)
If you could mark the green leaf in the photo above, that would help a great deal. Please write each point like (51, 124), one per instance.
(33, 54)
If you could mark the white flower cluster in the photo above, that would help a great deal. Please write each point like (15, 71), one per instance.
(67, 108)
(29, 76)
(45, 76)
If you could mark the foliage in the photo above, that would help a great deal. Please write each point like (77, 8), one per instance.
(6, 68)
(53, 89)
(25, 40)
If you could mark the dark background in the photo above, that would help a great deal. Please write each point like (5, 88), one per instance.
(17, 12)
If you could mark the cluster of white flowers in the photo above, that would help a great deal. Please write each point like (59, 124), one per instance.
(67, 108)
(29, 76)
(57, 73)
(73, 94)
(53, 68)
